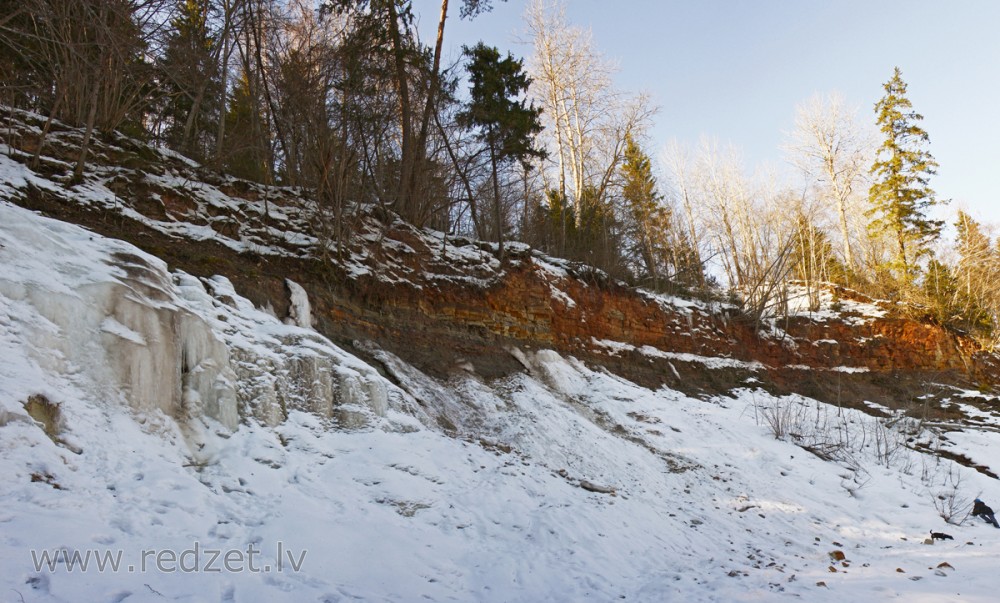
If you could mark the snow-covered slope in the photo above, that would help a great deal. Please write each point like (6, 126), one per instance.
(164, 421)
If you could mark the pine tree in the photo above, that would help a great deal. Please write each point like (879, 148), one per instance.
(649, 219)
(813, 258)
(900, 195)
(977, 275)
(191, 78)
(507, 126)
(245, 147)
(941, 290)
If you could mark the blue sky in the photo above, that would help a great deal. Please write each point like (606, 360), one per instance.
(735, 70)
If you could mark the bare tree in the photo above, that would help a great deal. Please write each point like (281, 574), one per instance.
(833, 150)
(87, 60)
(680, 169)
(587, 120)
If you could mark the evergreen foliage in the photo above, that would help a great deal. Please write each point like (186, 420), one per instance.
(191, 80)
(900, 194)
(648, 218)
(977, 277)
(244, 146)
(813, 258)
(347, 103)
(506, 123)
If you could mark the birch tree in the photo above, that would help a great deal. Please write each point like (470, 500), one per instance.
(587, 121)
(679, 164)
(833, 150)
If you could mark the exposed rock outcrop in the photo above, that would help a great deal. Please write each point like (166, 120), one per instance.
(436, 302)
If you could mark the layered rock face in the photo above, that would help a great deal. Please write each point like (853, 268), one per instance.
(435, 301)
(533, 302)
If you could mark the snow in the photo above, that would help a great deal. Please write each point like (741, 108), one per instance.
(710, 362)
(562, 297)
(112, 326)
(299, 313)
(830, 307)
(418, 487)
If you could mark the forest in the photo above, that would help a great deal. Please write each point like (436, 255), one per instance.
(343, 100)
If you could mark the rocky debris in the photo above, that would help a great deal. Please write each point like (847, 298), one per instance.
(943, 569)
(587, 485)
(592, 487)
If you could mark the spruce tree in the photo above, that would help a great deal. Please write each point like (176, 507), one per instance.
(977, 273)
(507, 126)
(245, 144)
(191, 79)
(649, 219)
(900, 195)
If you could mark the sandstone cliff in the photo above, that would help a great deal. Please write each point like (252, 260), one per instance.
(441, 303)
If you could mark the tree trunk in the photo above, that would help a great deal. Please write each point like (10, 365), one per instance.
(462, 176)
(256, 25)
(845, 232)
(497, 213)
(227, 49)
(420, 147)
(405, 111)
(45, 132)
(85, 145)
(192, 116)
(842, 193)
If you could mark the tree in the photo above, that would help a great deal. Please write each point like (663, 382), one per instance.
(940, 289)
(977, 277)
(749, 224)
(86, 61)
(507, 125)
(245, 149)
(191, 78)
(832, 149)
(648, 219)
(682, 182)
(900, 195)
(469, 10)
(813, 259)
(587, 121)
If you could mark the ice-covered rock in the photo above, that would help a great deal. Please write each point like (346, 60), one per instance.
(108, 313)
(299, 311)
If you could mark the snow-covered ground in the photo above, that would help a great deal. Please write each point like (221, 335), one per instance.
(561, 483)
